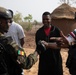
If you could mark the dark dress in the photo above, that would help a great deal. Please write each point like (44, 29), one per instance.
(50, 61)
(71, 60)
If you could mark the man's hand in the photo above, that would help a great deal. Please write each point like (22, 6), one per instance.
(61, 41)
(50, 45)
(45, 43)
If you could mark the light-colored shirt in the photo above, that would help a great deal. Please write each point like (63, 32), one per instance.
(16, 32)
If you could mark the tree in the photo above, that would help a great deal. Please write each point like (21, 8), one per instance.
(28, 18)
(69, 2)
(35, 23)
(18, 17)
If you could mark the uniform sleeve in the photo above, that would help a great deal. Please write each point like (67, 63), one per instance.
(31, 60)
(26, 62)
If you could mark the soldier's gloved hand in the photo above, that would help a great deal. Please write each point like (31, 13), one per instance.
(22, 61)
(34, 57)
(31, 59)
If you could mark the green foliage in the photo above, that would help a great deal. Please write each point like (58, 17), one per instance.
(26, 21)
(26, 26)
(29, 27)
(35, 22)
(28, 18)
(18, 17)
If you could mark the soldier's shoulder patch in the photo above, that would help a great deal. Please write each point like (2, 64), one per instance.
(20, 52)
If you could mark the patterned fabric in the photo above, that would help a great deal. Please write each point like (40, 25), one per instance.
(25, 62)
(14, 57)
(73, 34)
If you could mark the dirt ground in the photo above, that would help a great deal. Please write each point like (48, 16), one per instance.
(30, 47)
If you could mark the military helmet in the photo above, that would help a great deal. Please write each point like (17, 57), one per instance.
(11, 12)
(4, 13)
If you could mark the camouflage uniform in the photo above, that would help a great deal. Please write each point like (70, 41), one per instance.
(17, 56)
(12, 57)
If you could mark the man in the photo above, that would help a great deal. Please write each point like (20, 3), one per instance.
(15, 31)
(50, 61)
(12, 57)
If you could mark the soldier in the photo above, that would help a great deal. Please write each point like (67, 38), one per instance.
(12, 57)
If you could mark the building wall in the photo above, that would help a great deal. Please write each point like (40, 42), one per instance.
(66, 25)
